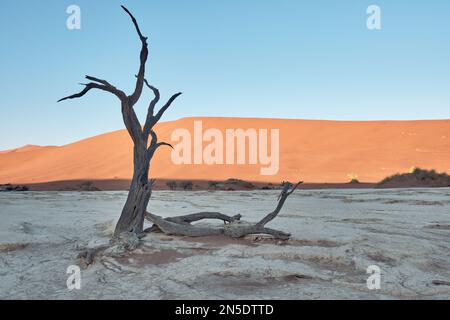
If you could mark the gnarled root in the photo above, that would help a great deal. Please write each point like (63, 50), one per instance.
(123, 243)
(87, 256)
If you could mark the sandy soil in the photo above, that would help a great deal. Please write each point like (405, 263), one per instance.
(314, 151)
(337, 234)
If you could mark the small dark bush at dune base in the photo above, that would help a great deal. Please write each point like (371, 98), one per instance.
(187, 185)
(9, 187)
(87, 186)
(415, 179)
(171, 184)
(240, 183)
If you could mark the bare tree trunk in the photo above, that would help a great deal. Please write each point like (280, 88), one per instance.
(132, 217)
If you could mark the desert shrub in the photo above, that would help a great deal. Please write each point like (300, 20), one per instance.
(353, 177)
(212, 184)
(187, 185)
(416, 178)
(10, 187)
(241, 183)
(87, 186)
(172, 185)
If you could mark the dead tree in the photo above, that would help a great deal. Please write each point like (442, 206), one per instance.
(132, 217)
(135, 209)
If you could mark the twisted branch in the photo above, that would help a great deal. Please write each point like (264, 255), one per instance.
(101, 85)
(143, 60)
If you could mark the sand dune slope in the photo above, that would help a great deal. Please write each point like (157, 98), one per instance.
(315, 151)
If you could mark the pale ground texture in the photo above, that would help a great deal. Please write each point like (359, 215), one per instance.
(336, 235)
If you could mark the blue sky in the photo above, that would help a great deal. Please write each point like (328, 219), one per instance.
(253, 58)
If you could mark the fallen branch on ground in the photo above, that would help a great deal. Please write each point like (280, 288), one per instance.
(233, 226)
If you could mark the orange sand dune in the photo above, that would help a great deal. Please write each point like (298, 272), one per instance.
(315, 151)
(27, 147)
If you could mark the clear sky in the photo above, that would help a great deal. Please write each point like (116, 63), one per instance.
(253, 58)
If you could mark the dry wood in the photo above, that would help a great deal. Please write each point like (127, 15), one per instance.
(234, 227)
